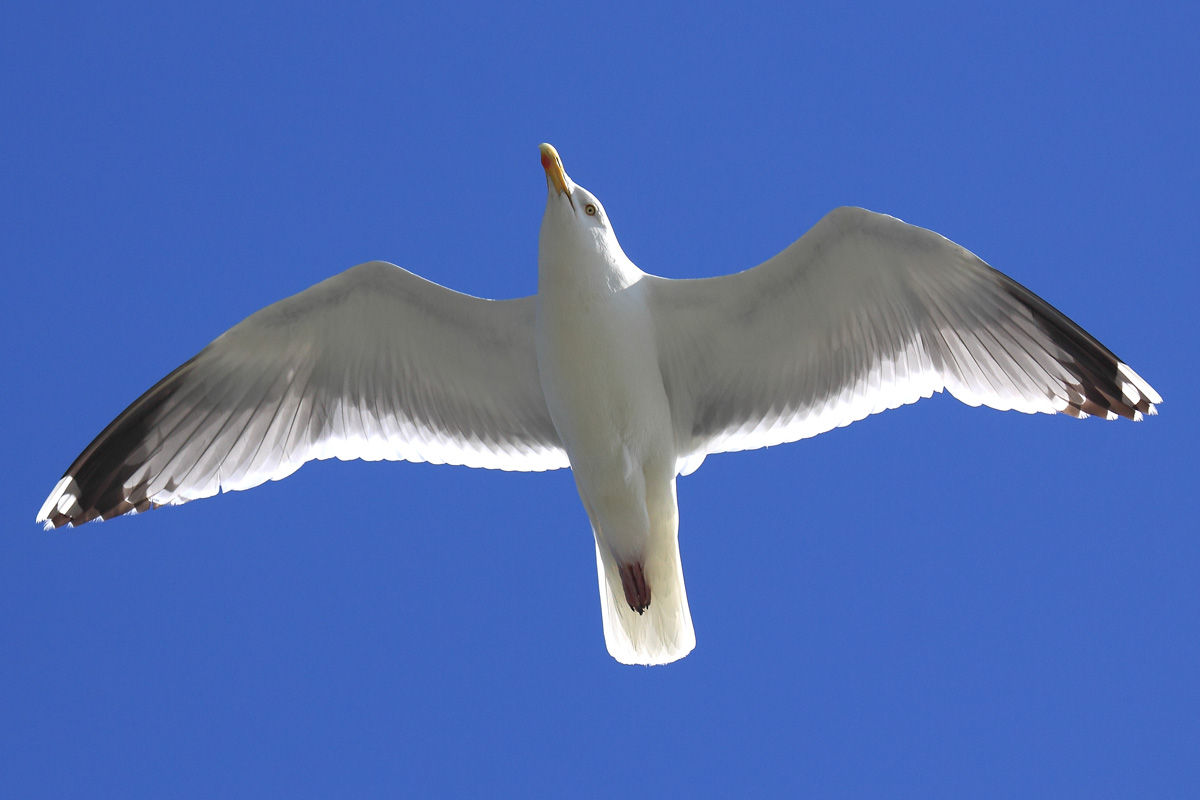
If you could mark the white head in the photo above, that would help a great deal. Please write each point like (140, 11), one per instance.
(576, 236)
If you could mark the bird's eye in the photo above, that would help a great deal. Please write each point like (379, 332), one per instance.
(590, 210)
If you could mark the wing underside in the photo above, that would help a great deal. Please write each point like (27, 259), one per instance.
(375, 363)
(862, 314)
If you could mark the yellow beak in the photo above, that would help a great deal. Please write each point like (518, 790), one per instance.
(556, 176)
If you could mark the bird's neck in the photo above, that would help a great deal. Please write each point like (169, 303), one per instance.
(583, 266)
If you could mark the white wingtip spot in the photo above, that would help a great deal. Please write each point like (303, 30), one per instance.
(1137, 381)
(64, 499)
(1130, 392)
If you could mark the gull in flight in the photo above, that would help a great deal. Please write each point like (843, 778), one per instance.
(627, 378)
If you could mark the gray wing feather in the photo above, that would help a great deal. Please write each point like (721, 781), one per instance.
(374, 363)
(862, 314)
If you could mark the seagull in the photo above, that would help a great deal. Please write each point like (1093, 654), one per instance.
(627, 378)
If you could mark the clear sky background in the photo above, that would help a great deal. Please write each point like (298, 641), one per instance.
(939, 601)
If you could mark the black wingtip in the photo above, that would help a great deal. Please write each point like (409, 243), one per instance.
(94, 486)
(1105, 387)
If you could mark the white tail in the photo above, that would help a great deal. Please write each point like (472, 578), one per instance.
(663, 632)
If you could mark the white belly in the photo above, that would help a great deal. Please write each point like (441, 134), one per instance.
(599, 370)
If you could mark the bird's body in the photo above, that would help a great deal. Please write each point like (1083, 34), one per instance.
(627, 378)
(604, 387)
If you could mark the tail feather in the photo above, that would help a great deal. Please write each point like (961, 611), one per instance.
(663, 632)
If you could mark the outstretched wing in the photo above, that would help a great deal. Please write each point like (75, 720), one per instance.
(374, 363)
(862, 314)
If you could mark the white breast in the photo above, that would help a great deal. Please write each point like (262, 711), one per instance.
(599, 369)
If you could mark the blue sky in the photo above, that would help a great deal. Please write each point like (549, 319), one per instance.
(938, 601)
